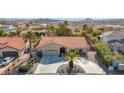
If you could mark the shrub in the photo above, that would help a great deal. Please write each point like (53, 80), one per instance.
(25, 68)
(104, 52)
(97, 32)
(94, 39)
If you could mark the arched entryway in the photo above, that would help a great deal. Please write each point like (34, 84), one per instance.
(62, 50)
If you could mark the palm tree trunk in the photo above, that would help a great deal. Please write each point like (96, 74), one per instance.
(30, 47)
(71, 65)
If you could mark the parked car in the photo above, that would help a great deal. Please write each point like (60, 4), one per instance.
(7, 60)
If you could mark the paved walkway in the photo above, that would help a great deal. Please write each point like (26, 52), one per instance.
(92, 55)
(50, 64)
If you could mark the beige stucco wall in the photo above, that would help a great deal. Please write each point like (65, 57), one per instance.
(27, 44)
(1, 45)
(11, 49)
(77, 50)
(55, 49)
(21, 52)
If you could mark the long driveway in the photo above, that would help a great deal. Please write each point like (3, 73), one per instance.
(49, 65)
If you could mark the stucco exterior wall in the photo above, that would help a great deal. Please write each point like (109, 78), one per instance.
(11, 49)
(77, 50)
(1, 45)
(52, 49)
(21, 52)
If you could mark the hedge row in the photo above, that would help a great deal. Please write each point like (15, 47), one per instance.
(104, 53)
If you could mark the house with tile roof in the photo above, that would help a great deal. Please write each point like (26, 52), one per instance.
(61, 45)
(12, 46)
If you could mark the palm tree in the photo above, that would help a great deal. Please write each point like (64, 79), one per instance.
(65, 25)
(32, 39)
(85, 27)
(47, 30)
(71, 57)
(51, 28)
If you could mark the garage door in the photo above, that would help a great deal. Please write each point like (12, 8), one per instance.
(10, 54)
(51, 52)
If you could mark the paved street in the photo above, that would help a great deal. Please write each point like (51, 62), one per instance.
(49, 65)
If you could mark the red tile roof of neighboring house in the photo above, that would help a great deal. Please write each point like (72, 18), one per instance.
(14, 42)
(69, 42)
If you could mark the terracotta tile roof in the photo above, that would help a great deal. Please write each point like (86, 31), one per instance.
(69, 42)
(14, 42)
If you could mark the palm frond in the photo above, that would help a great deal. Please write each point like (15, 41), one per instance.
(72, 56)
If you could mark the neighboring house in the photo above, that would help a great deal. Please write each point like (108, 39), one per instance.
(109, 27)
(116, 46)
(37, 27)
(114, 40)
(12, 46)
(61, 45)
(7, 28)
(113, 35)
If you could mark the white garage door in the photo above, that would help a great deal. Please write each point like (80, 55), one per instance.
(51, 52)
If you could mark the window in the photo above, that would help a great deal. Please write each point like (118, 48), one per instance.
(80, 50)
(72, 50)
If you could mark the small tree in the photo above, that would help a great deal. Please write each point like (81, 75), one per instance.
(71, 57)
(32, 39)
(3, 33)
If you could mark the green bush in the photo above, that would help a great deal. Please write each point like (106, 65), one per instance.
(105, 54)
(97, 32)
(92, 35)
(94, 39)
(3, 32)
(25, 68)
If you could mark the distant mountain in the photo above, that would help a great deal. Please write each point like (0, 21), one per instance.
(88, 20)
(69, 19)
(46, 20)
(14, 19)
(29, 20)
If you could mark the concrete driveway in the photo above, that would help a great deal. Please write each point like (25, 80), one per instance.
(50, 64)
(17, 62)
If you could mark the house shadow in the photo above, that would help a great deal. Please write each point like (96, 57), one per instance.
(50, 60)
